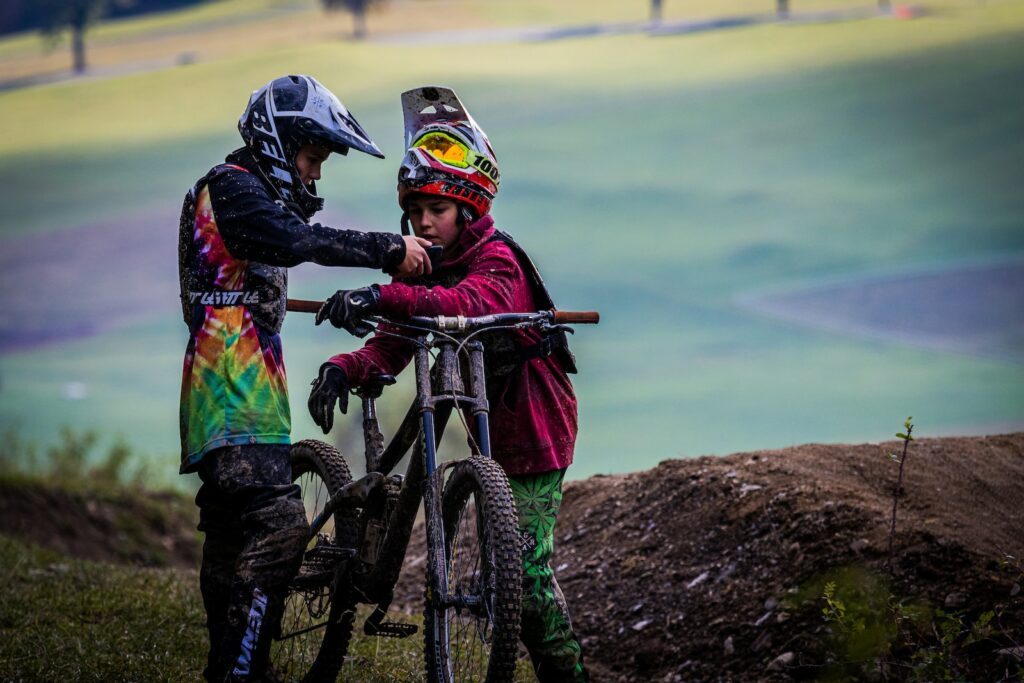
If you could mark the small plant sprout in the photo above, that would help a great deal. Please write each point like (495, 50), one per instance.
(906, 436)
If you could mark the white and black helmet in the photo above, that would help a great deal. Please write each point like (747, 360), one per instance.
(287, 114)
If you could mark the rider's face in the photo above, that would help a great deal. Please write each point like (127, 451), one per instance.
(435, 219)
(309, 160)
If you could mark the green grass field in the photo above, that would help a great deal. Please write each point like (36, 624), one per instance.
(653, 179)
(67, 619)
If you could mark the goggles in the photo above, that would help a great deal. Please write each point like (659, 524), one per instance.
(445, 148)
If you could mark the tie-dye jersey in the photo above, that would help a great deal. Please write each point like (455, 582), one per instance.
(234, 390)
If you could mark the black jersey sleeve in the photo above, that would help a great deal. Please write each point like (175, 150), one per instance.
(255, 227)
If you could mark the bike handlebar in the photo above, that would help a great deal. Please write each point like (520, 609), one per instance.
(576, 317)
(458, 323)
(303, 306)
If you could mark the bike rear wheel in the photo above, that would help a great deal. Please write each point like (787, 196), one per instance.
(319, 609)
(474, 637)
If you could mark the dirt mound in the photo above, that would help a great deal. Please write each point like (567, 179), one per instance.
(712, 568)
(703, 569)
(120, 526)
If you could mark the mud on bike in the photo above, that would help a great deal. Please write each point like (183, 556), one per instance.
(360, 530)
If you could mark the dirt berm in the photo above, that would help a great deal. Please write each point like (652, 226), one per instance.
(713, 568)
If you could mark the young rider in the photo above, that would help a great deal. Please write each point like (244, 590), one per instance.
(242, 225)
(445, 188)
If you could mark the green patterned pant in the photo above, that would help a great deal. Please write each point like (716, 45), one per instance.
(546, 627)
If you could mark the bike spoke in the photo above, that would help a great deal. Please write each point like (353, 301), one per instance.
(469, 619)
(306, 611)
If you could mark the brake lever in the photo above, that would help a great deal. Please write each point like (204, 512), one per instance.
(548, 327)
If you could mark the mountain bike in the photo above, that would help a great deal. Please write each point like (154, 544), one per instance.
(360, 530)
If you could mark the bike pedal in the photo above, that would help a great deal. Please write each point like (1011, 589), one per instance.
(323, 553)
(390, 629)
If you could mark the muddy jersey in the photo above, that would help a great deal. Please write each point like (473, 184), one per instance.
(234, 390)
(234, 246)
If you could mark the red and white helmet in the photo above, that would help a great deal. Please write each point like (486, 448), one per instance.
(448, 154)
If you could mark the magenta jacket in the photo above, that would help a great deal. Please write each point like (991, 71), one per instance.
(533, 415)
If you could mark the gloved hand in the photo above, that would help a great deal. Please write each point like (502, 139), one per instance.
(330, 385)
(346, 309)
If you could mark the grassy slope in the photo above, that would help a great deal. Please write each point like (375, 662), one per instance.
(64, 619)
(67, 619)
(742, 160)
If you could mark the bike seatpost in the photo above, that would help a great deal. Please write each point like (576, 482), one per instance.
(372, 438)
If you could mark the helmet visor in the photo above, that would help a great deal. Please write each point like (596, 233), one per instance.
(447, 149)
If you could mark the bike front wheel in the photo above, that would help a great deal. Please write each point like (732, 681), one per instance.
(319, 609)
(472, 633)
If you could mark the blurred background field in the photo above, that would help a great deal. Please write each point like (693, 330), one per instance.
(795, 231)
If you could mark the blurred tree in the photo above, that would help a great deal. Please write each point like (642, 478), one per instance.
(76, 16)
(357, 8)
(655, 11)
(28, 15)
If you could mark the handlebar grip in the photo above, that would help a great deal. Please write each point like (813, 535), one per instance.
(303, 306)
(576, 317)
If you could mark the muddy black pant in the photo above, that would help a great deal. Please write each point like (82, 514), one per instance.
(256, 529)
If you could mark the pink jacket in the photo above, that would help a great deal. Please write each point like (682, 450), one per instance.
(533, 414)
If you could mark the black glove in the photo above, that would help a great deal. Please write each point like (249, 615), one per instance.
(347, 307)
(330, 385)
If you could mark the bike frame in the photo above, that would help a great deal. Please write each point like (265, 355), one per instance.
(422, 428)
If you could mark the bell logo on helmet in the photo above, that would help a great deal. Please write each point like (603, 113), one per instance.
(270, 149)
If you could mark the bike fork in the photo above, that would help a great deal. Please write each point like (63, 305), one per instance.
(432, 508)
(437, 553)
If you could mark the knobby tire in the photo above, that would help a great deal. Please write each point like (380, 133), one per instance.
(321, 592)
(483, 560)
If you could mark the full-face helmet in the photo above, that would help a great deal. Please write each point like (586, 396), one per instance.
(287, 114)
(448, 154)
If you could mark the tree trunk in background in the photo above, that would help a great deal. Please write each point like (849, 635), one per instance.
(79, 22)
(655, 11)
(359, 21)
(782, 9)
(78, 48)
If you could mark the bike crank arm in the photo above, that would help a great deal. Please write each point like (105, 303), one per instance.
(350, 495)
(308, 629)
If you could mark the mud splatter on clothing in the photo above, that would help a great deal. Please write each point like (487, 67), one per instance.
(256, 531)
(235, 242)
(234, 389)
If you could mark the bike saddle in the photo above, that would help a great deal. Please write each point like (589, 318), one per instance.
(374, 386)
